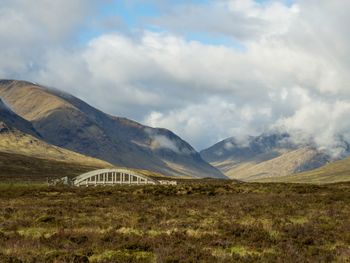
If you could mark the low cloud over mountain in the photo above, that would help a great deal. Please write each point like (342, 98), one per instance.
(269, 155)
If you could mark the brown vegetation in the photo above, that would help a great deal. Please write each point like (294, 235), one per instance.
(213, 221)
(18, 168)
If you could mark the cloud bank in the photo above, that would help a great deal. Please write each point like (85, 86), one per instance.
(284, 66)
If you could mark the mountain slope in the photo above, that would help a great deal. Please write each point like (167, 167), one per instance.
(26, 168)
(18, 136)
(68, 122)
(265, 156)
(9, 118)
(26, 158)
(17, 142)
(338, 171)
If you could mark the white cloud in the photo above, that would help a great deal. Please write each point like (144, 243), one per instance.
(325, 122)
(29, 29)
(292, 71)
(162, 142)
(203, 123)
(242, 19)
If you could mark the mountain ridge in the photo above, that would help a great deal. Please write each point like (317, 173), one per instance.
(268, 155)
(68, 122)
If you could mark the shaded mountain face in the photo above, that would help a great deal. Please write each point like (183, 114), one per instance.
(14, 141)
(254, 147)
(25, 157)
(264, 156)
(9, 119)
(68, 122)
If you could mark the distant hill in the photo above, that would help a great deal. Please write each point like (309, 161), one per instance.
(70, 123)
(264, 156)
(338, 171)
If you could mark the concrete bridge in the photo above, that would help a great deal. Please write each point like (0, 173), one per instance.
(113, 177)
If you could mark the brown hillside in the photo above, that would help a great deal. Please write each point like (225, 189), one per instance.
(70, 123)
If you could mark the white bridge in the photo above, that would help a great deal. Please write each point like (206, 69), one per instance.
(113, 177)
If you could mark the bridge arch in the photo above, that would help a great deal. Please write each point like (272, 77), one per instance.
(112, 177)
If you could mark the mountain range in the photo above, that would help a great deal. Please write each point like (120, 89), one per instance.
(44, 131)
(57, 119)
(269, 155)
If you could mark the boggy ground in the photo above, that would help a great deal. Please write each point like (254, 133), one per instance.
(205, 222)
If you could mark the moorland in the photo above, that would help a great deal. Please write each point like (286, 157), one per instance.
(195, 221)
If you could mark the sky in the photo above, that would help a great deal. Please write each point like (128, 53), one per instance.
(205, 69)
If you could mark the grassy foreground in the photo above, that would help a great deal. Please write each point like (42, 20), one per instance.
(203, 222)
